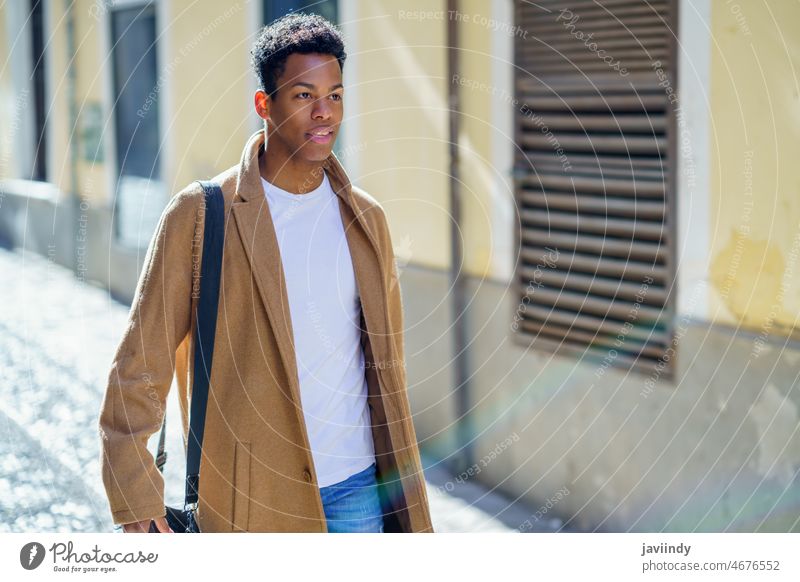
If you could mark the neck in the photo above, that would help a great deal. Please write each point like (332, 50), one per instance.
(289, 173)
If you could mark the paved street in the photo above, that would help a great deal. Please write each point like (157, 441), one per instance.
(57, 338)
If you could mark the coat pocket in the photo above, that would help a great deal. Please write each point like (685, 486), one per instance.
(241, 485)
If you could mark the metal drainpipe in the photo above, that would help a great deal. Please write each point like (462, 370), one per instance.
(464, 457)
(73, 196)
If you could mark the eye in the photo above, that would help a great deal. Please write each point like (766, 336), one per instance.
(336, 96)
(303, 93)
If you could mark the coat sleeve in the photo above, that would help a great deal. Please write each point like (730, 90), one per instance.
(397, 368)
(143, 367)
(395, 300)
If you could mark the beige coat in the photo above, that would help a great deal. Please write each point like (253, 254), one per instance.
(256, 470)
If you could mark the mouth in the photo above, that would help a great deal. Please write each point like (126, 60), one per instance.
(320, 135)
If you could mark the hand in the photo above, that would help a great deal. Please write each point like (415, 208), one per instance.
(144, 526)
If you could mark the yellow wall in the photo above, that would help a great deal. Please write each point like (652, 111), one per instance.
(476, 134)
(89, 89)
(755, 109)
(399, 67)
(207, 65)
(8, 106)
(205, 81)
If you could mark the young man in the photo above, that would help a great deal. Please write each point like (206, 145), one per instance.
(308, 426)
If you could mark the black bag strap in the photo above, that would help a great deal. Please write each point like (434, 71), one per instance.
(205, 329)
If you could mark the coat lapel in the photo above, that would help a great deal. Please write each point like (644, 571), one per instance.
(261, 245)
(368, 275)
(257, 231)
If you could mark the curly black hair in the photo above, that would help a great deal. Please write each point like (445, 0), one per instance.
(296, 32)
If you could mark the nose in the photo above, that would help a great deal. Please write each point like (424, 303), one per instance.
(321, 110)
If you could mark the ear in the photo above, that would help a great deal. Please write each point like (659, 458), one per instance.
(263, 103)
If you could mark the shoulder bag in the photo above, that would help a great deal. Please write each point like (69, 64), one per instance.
(184, 520)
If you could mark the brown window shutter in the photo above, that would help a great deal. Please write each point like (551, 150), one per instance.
(594, 180)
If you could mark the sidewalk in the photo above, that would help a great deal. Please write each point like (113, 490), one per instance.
(57, 339)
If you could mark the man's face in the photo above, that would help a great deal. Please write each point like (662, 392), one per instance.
(305, 113)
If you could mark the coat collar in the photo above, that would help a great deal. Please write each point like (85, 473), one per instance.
(248, 184)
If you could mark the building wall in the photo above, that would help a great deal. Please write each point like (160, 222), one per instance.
(397, 133)
(9, 104)
(755, 181)
(208, 94)
(91, 62)
(715, 447)
(205, 109)
(485, 147)
(397, 143)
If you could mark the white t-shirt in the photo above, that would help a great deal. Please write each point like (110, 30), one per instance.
(325, 310)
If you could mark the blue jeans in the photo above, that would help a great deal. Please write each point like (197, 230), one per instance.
(352, 505)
